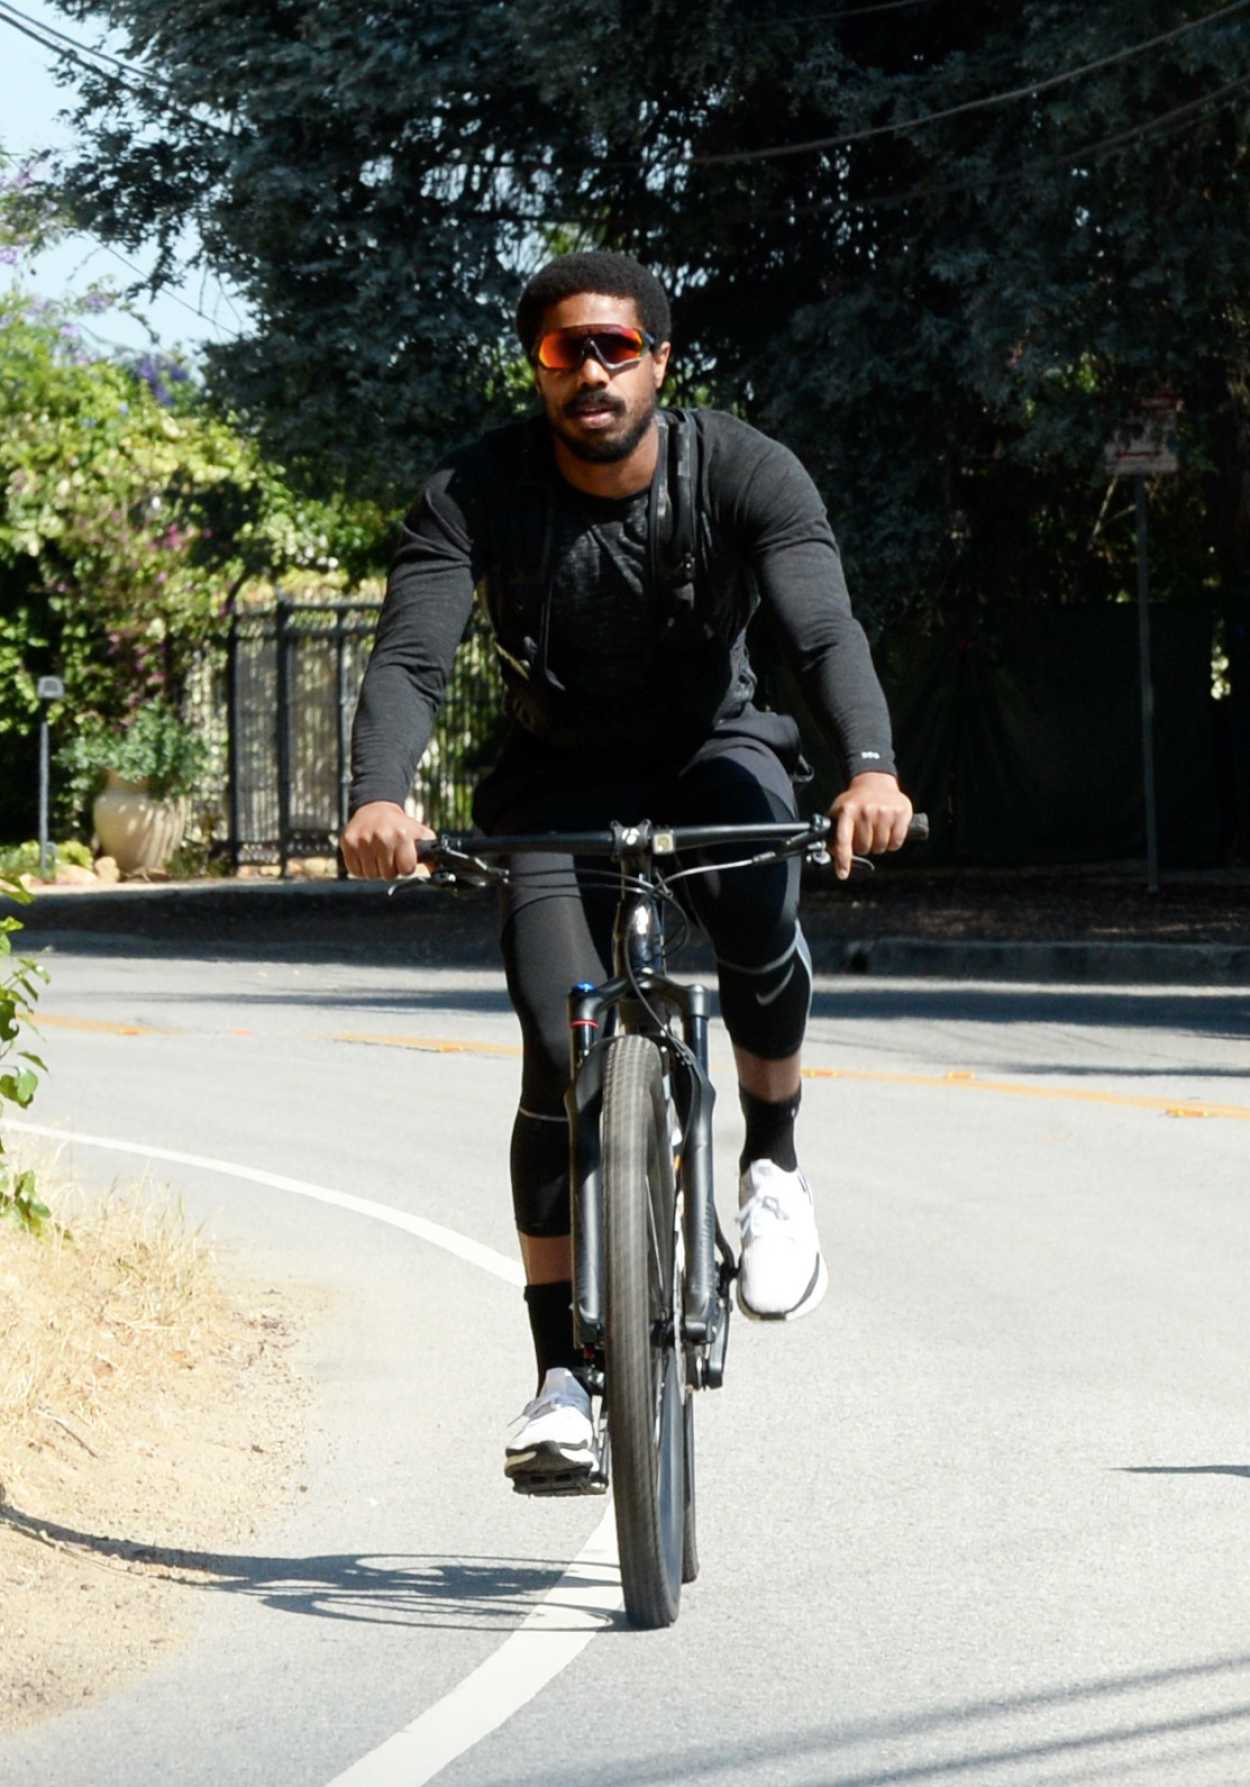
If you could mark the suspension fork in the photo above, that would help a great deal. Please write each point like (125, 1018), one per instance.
(583, 1104)
(696, 1173)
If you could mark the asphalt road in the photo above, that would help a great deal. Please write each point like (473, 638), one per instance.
(981, 1519)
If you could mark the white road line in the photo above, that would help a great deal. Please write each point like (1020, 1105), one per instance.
(585, 1599)
(474, 1252)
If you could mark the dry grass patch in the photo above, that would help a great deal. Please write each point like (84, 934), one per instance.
(148, 1415)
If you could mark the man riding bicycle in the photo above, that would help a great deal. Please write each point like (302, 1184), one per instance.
(621, 551)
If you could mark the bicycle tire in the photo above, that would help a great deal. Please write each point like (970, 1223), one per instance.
(643, 1363)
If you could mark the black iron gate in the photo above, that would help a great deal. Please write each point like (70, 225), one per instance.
(292, 676)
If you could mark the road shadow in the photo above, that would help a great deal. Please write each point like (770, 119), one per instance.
(1044, 1072)
(1222, 1014)
(417, 1590)
(945, 1746)
(1184, 1470)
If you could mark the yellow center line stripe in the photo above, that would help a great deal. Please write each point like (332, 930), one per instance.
(960, 1081)
(957, 1080)
(432, 1045)
(52, 1020)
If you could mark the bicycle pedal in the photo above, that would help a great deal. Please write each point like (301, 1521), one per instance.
(575, 1481)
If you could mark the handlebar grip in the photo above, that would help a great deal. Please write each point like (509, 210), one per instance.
(918, 829)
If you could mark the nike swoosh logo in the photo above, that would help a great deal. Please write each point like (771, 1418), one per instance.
(767, 998)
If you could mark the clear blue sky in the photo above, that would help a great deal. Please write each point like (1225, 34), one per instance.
(30, 100)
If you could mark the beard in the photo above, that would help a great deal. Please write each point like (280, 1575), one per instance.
(597, 451)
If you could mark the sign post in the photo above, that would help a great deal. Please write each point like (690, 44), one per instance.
(1147, 449)
(47, 689)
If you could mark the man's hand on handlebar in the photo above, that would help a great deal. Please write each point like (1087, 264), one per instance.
(380, 842)
(871, 816)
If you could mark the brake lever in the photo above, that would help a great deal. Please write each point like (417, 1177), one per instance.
(466, 871)
(819, 857)
(401, 881)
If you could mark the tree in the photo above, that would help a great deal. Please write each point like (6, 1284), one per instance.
(946, 306)
(131, 515)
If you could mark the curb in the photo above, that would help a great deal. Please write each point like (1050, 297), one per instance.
(1158, 964)
(357, 921)
(354, 920)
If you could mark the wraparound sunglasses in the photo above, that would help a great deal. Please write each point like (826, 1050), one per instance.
(614, 345)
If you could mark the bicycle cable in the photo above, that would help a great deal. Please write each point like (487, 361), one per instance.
(753, 862)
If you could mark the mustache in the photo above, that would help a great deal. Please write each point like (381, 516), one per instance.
(592, 402)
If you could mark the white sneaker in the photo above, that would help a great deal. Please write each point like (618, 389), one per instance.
(553, 1433)
(782, 1274)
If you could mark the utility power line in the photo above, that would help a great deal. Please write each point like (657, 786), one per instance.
(75, 51)
(166, 291)
(847, 12)
(1191, 114)
(134, 80)
(133, 267)
(970, 105)
(41, 31)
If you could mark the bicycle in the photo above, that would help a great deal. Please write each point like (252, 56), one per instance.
(652, 1268)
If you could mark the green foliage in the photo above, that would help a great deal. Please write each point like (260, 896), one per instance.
(132, 514)
(127, 526)
(154, 747)
(19, 1068)
(19, 859)
(23, 859)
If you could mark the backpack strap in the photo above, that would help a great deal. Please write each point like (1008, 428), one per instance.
(673, 523)
(522, 571)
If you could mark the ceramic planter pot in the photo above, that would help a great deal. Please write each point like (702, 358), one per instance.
(136, 831)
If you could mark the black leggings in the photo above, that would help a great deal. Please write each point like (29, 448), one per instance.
(556, 931)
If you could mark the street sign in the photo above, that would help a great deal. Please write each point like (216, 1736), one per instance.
(50, 688)
(1147, 446)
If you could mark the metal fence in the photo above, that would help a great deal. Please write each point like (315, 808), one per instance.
(275, 699)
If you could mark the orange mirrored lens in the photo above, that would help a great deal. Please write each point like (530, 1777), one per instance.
(565, 349)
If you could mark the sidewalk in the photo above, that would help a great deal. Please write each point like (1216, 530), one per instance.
(900, 925)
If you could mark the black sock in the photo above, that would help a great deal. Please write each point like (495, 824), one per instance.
(770, 1130)
(550, 1308)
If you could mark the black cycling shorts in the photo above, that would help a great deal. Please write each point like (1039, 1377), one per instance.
(556, 929)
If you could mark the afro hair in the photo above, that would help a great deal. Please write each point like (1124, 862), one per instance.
(612, 275)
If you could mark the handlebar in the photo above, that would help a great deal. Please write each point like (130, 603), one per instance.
(456, 850)
(617, 839)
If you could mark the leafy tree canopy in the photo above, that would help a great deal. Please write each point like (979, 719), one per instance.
(131, 513)
(945, 305)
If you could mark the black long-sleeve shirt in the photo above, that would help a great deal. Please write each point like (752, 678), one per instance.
(766, 527)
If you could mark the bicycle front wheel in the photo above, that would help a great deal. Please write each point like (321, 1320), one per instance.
(643, 1361)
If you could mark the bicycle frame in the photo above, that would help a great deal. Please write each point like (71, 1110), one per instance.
(641, 998)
